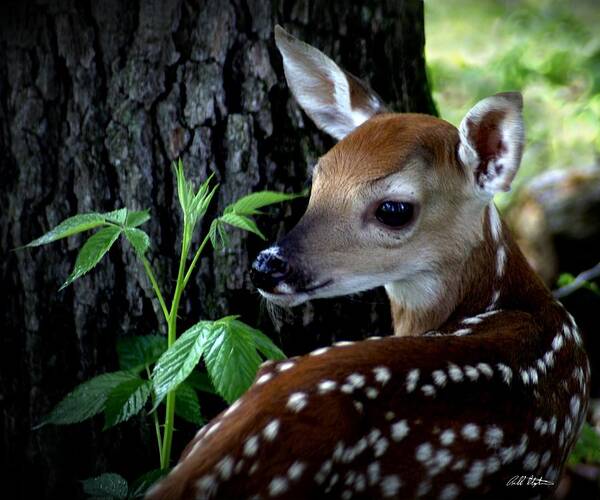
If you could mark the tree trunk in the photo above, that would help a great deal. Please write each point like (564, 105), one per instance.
(96, 99)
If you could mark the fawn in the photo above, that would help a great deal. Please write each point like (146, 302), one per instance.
(485, 379)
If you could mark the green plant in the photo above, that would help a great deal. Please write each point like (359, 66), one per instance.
(157, 367)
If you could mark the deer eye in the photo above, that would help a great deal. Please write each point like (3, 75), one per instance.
(394, 213)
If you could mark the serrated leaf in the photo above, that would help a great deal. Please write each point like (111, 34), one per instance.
(117, 216)
(137, 218)
(231, 358)
(250, 203)
(69, 227)
(202, 206)
(125, 401)
(137, 352)
(201, 382)
(139, 240)
(263, 343)
(175, 365)
(217, 234)
(92, 251)
(144, 482)
(183, 188)
(187, 405)
(587, 448)
(106, 485)
(242, 222)
(86, 400)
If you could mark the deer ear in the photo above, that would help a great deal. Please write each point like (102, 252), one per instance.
(335, 100)
(491, 141)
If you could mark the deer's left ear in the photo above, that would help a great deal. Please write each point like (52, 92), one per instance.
(337, 101)
(491, 142)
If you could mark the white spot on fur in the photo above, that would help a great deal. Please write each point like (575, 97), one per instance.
(472, 321)
(318, 352)
(558, 342)
(462, 332)
(295, 471)
(428, 390)
(531, 461)
(505, 371)
(251, 446)
(297, 401)
(380, 447)
(371, 392)
(326, 386)
(473, 478)
(225, 468)
(485, 369)
(356, 379)
(232, 408)
(278, 486)
(455, 372)
(373, 473)
(447, 437)
(449, 492)
(470, 432)
(271, 430)
(412, 379)
(471, 372)
(382, 374)
(439, 378)
(399, 430)
(500, 260)
(493, 436)
(264, 378)
(423, 452)
(390, 485)
(285, 366)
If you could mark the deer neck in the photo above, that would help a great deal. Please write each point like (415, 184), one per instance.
(487, 283)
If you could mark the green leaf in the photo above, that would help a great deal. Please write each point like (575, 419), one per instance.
(249, 204)
(201, 382)
(200, 207)
(92, 251)
(231, 358)
(184, 191)
(139, 240)
(175, 365)
(144, 482)
(137, 218)
(242, 222)
(187, 405)
(217, 234)
(137, 352)
(106, 485)
(117, 216)
(587, 448)
(126, 400)
(86, 400)
(263, 343)
(68, 227)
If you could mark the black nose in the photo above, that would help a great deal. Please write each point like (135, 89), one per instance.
(268, 270)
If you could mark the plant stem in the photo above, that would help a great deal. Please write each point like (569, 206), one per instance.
(156, 423)
(156, 288)
(196, 257)
(165, 456)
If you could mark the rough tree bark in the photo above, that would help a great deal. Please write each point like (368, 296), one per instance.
(96, 99)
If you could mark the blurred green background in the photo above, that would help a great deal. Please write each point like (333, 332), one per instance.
(549, 50)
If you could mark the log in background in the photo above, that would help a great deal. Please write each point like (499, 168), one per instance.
(96, 99)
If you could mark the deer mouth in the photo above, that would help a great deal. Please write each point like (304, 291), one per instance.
(286, 295)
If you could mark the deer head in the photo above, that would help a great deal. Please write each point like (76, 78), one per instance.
(398, 202)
